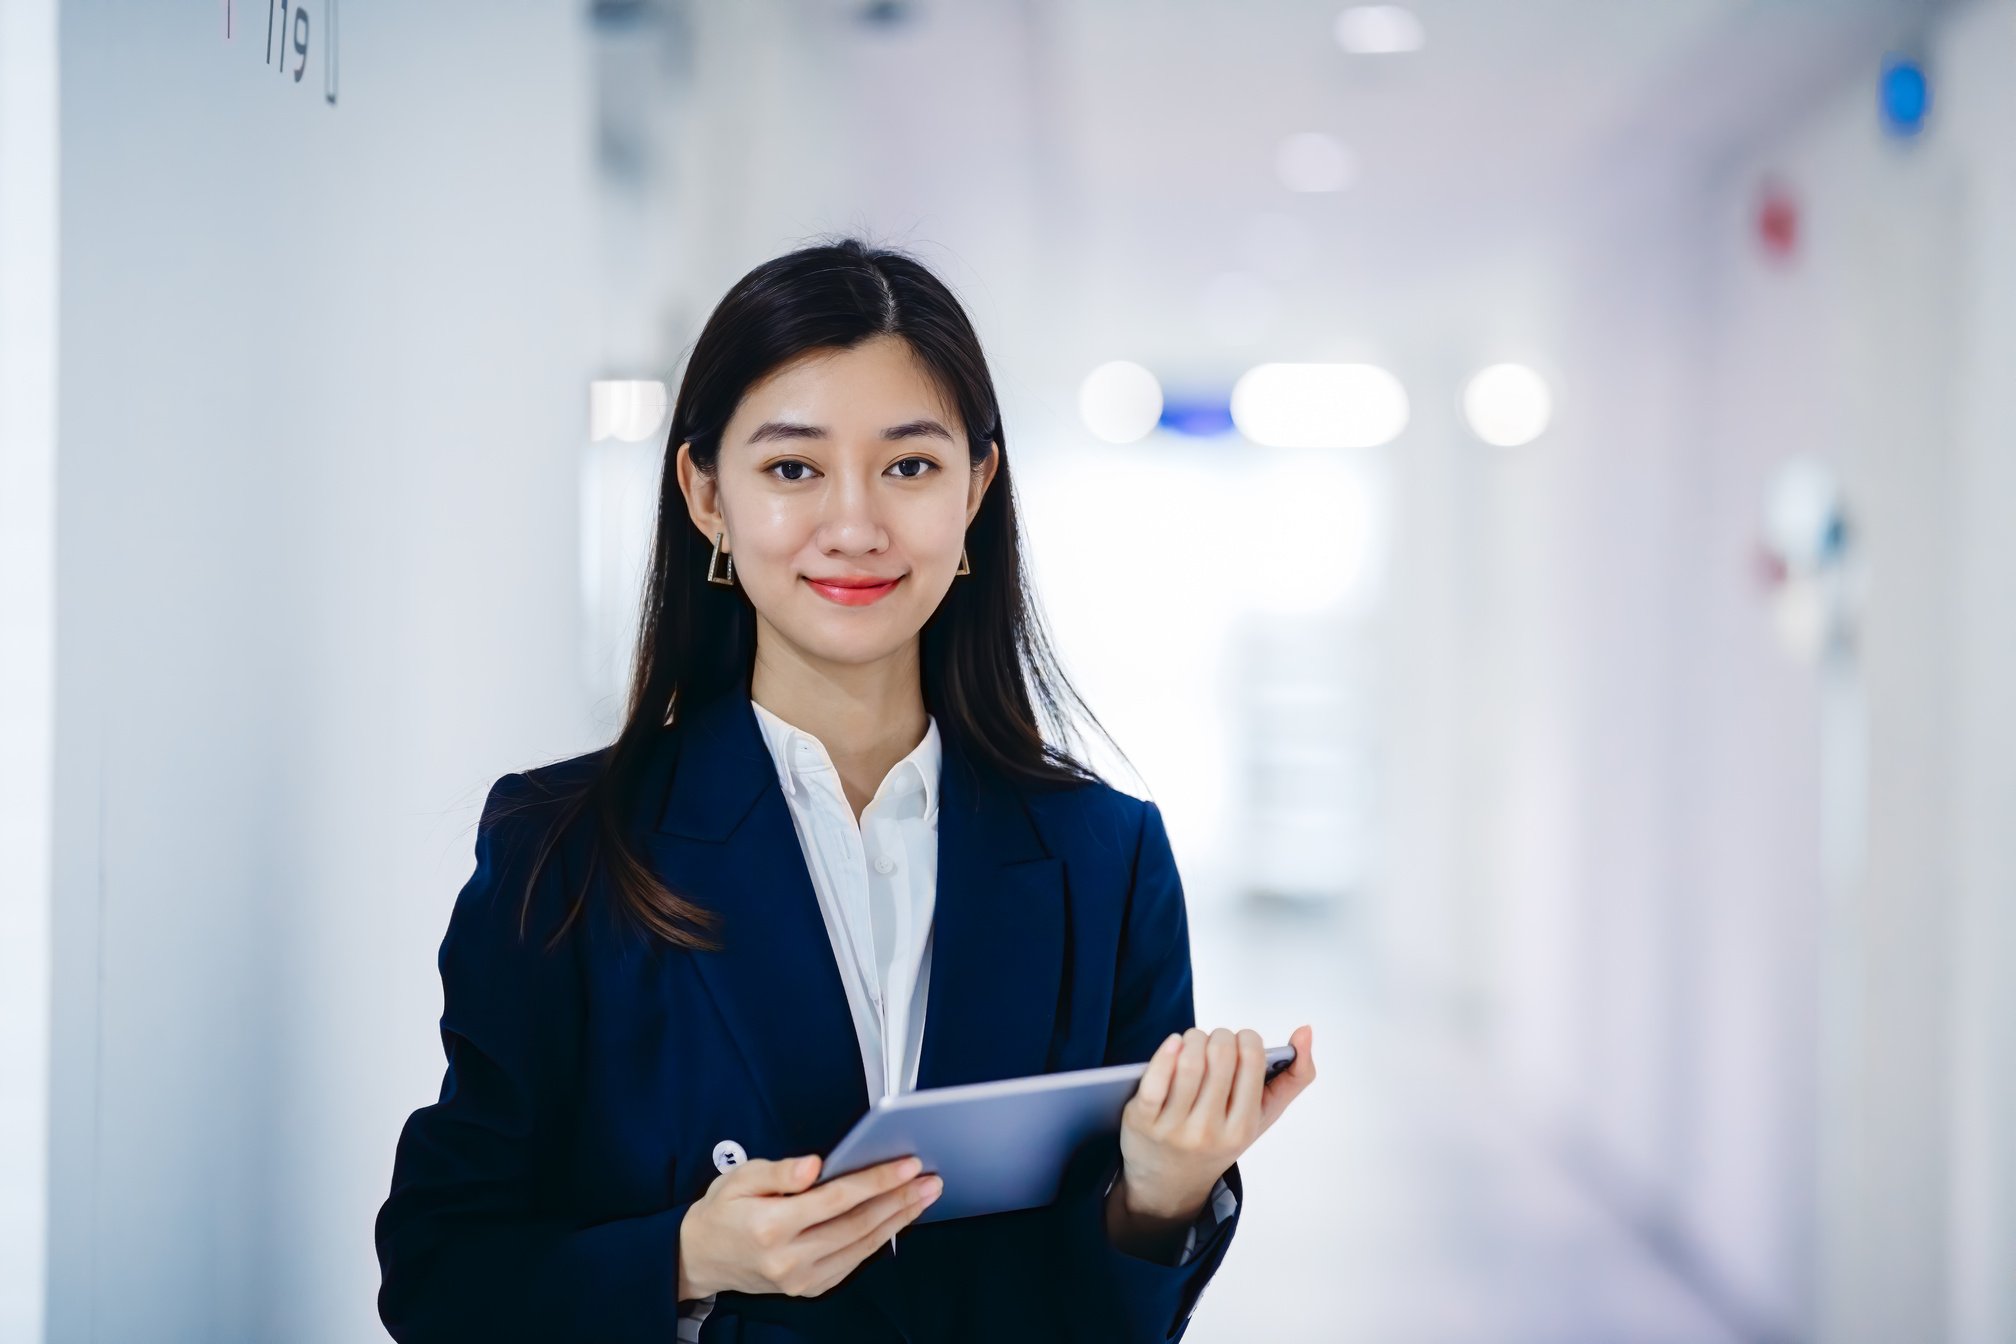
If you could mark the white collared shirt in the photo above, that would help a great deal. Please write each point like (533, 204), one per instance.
(876, 881)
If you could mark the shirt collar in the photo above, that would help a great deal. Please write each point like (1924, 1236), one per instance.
(782, 739)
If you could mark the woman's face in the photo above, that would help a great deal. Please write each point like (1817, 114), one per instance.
(842, 466)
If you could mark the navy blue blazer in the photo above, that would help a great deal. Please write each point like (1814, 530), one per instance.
(540, 1198)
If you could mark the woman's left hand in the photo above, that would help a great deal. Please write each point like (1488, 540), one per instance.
(1202, 1103)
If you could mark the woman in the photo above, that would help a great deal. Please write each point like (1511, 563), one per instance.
(830, 854)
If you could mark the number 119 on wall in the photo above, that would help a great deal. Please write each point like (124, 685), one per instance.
(288, 30)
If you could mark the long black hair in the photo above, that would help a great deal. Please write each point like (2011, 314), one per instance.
(986, 660)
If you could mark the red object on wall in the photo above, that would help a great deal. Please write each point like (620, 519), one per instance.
(1768, 567)
(1778, 222)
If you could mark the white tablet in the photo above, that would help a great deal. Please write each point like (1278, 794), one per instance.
(1001, 1145)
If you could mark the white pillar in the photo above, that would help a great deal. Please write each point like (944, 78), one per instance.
(27, 643)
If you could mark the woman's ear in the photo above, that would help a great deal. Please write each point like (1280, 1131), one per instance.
(983, 476)
(703, 494)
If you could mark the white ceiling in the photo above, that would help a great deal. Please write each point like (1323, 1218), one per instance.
(1125, 148)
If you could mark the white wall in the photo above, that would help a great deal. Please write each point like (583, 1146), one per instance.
(1979, 671)
(28, 253)
(1884, 350)
(322, 403)
(1807, 1090)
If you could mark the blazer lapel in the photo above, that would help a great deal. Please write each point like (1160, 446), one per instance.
(998, 936)
(726, 840)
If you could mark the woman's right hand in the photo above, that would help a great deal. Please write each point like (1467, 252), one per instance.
(761, 1228)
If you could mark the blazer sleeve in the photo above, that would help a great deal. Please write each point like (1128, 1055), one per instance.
(1115, 1295)
(470, 1243)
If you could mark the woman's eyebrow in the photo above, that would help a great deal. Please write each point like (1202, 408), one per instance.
(922, 428)
(925, 428)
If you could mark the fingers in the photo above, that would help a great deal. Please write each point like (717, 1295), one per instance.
(916, 1197)
(844, 1192)
(771, 1176)
(1243, 1115)
(1153, 1089)
(1189, 1077)
(1221, 1061)
(905, 1201)
(1286, 1085)
(1221, 1076)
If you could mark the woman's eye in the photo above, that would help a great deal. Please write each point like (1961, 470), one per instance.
(791, 469)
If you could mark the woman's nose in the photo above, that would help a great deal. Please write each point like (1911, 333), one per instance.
(852, 520)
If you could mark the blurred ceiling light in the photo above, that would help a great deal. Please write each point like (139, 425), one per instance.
(1237, 308)
(1120, 401)
(1508, 405)
(1314, 161)
(1319, 405)
(630, 409)
(1378, 30)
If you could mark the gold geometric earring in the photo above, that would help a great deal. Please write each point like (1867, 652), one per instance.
(964, 567)
(714, 560)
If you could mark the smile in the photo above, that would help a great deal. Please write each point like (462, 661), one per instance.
(853, 594)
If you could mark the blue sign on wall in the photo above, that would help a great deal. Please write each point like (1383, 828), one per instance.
(1906, 96)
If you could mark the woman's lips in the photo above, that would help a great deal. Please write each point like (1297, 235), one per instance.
(849, 595)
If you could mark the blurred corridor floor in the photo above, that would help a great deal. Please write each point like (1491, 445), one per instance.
(1400, 1201)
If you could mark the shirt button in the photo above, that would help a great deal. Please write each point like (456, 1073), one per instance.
(728, 1155)
(885, 864)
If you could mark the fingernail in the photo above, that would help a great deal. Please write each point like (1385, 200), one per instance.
(805, 1165)
(911, 1166)
(932, 1189)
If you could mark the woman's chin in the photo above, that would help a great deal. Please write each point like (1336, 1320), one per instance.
(854, 647)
